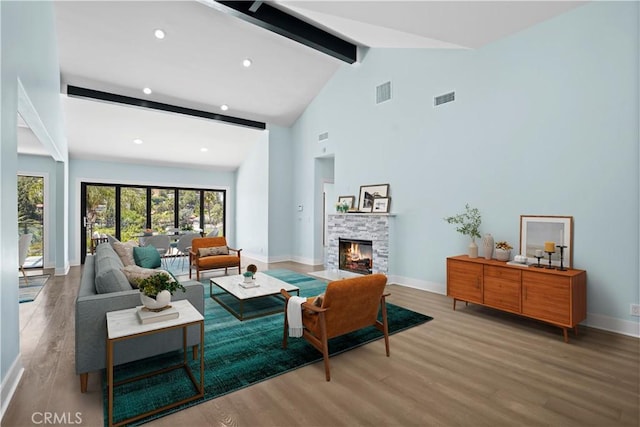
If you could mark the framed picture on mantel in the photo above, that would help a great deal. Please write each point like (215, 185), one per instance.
(381, 205)
(541, 232)
(368, 193)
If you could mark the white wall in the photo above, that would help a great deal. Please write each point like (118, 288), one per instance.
(129, 173)
(252, 202)
(30, 81)
(281, 206)
(545, 122)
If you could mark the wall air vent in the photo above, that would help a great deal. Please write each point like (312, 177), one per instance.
(383, 92)
(443, 99)
(323, 136)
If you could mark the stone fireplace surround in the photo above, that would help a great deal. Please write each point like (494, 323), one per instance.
(359, 226)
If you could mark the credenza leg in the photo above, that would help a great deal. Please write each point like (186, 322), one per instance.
(454, 304)
(566, 335)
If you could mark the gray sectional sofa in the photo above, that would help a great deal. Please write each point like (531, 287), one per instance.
(103, 272)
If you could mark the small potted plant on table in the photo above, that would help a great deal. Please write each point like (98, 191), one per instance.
(156, 290)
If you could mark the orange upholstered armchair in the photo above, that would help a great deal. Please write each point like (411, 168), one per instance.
(211, 253)
(348, 305)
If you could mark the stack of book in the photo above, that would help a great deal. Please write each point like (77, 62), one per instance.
(148, 316)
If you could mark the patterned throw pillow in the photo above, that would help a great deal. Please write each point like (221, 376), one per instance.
(134, 272)
(214, 250)
(125, 252)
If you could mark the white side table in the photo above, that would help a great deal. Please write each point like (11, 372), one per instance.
(124, 324)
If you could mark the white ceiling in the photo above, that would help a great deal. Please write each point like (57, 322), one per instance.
(109, 46)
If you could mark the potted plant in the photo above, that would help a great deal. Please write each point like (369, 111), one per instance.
(503, 251)
(468, 224)
(156, 290)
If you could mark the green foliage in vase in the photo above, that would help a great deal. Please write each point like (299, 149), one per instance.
(152, 285)
(468, 222)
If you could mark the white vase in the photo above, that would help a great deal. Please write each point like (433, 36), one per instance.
(473, 249)
(162, 300)
(503, 254)
(487, 246)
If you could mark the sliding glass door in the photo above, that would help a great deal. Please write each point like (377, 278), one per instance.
(125, 211)
(30, 217)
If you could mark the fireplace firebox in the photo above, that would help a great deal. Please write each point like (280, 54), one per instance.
(355, 255)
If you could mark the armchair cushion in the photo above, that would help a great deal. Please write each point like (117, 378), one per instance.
(147, 257)
(214, 250)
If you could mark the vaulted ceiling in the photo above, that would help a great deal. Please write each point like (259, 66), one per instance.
(110, 46)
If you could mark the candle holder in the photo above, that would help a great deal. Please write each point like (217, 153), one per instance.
(550, 267)
(538, 264)
(561, 268)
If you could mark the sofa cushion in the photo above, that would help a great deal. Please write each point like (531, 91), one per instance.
(105, 257)
(147, 257)
(111, 278)
(134, 272)
(214, 250)
(125, 252)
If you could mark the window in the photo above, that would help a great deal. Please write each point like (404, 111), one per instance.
(125, 211)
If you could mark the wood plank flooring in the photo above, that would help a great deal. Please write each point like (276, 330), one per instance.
(470, 367)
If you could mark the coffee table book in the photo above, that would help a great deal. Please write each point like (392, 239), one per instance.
(147, 316)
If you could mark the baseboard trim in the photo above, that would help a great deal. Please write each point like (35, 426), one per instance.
(62, 271)
(611, 324)
(10, 384)
(280, 258)
(423, 285)
(256, 257)
(306, 261)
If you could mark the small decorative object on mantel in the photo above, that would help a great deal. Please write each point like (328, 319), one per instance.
(487, 246)
(345, 203)
(156, 290)
(468, 224)
(503, 251)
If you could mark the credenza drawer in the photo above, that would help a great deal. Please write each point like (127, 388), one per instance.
(502, 273)
(503, 294)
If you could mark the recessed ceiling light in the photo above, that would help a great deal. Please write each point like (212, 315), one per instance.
(159, 34)
(247, 62)
(147, 91)
(224, 107)
(204, 149)
(137, 141)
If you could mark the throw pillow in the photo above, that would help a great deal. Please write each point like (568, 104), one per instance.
(317, 301)
(214, 250)
(125, 252)
(134, 272)
(147, 257)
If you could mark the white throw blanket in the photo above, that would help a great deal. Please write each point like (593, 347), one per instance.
(294, 316)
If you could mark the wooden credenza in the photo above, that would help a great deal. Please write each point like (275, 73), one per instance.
(552, 296)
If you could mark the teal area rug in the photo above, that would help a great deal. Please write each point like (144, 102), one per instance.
(28, 291)
(238, 354)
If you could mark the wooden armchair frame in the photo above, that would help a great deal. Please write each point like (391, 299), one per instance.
(320, 338)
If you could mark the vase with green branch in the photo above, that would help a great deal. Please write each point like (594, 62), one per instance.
(468, 223)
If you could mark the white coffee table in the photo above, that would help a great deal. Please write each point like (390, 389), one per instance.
(267, 286)
(124, 324)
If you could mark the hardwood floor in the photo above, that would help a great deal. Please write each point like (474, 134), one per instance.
(474, 366)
